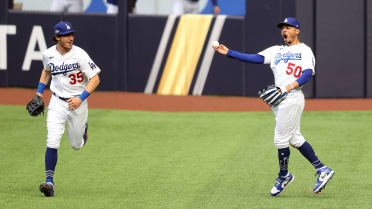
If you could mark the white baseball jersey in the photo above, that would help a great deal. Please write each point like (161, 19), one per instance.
(288, 62)
(70, 72)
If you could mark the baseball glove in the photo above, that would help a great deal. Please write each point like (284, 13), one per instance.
(36, 106)
(272, 96)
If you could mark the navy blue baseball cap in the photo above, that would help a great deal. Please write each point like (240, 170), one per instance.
(63, 28)
(290, 21)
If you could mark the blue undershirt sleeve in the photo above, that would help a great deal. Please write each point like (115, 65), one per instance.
(305, 77)
(252, 58)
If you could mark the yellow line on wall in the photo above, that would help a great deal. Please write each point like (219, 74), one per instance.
(184, 54)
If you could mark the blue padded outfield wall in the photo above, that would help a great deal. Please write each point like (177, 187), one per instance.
(171, 55)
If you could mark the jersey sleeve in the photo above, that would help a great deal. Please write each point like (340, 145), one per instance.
(45, 62)
(268, 54)
(308, 60)
(87, 66)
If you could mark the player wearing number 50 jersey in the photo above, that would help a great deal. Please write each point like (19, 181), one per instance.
(293, 64)
(74, 76)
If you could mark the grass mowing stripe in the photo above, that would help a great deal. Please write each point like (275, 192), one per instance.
(137, 159)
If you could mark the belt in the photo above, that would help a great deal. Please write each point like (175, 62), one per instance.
(61, 98)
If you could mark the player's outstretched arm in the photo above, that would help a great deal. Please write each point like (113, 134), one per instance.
(251, 58)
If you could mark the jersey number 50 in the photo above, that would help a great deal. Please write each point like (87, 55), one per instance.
(76, 78)
(292, 69)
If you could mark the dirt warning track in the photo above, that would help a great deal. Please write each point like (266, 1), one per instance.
(152, 102)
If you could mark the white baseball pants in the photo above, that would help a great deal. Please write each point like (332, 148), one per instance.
(58, 116)
(288, 117)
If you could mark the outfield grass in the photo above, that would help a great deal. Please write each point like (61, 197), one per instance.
(157, 160)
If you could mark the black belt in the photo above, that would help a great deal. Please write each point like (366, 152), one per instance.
(61, 98)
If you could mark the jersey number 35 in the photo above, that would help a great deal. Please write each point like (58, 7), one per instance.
(78, 77)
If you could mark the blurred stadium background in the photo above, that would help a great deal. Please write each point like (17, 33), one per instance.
(149, 159)
(153, 51)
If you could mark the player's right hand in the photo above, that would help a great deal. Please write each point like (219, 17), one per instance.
(74, 103)
(222, 49)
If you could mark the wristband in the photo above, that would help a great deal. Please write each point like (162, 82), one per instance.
(40, 88)
(291, 86)
(283, 89)
(84, 95)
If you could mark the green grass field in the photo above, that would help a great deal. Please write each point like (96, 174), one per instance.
(156, 160)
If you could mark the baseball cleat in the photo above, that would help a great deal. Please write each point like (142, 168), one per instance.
(85, 136)
(324, 175)
(47, 188)
(281, 182)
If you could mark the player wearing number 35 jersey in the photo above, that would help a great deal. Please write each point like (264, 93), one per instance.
(293, 64)
(74, 76)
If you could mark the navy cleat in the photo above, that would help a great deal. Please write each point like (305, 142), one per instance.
(324, 175)
(281, 182)
(47, 188)
(85, 136)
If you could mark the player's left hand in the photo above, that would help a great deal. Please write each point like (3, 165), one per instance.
(74, 103)
(272, 95)
(36, 106)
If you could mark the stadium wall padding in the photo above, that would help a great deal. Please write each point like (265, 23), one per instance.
(226, 76)
(260, 24)
(369, 49)
(340, 51)
(125, 47)
(305, 15)
(3, 13)
(144, 34)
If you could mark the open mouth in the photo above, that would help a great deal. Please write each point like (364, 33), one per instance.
(285, 36)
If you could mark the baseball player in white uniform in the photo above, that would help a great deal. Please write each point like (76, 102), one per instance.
(293, 64)
(74, 77)
(73, 6)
